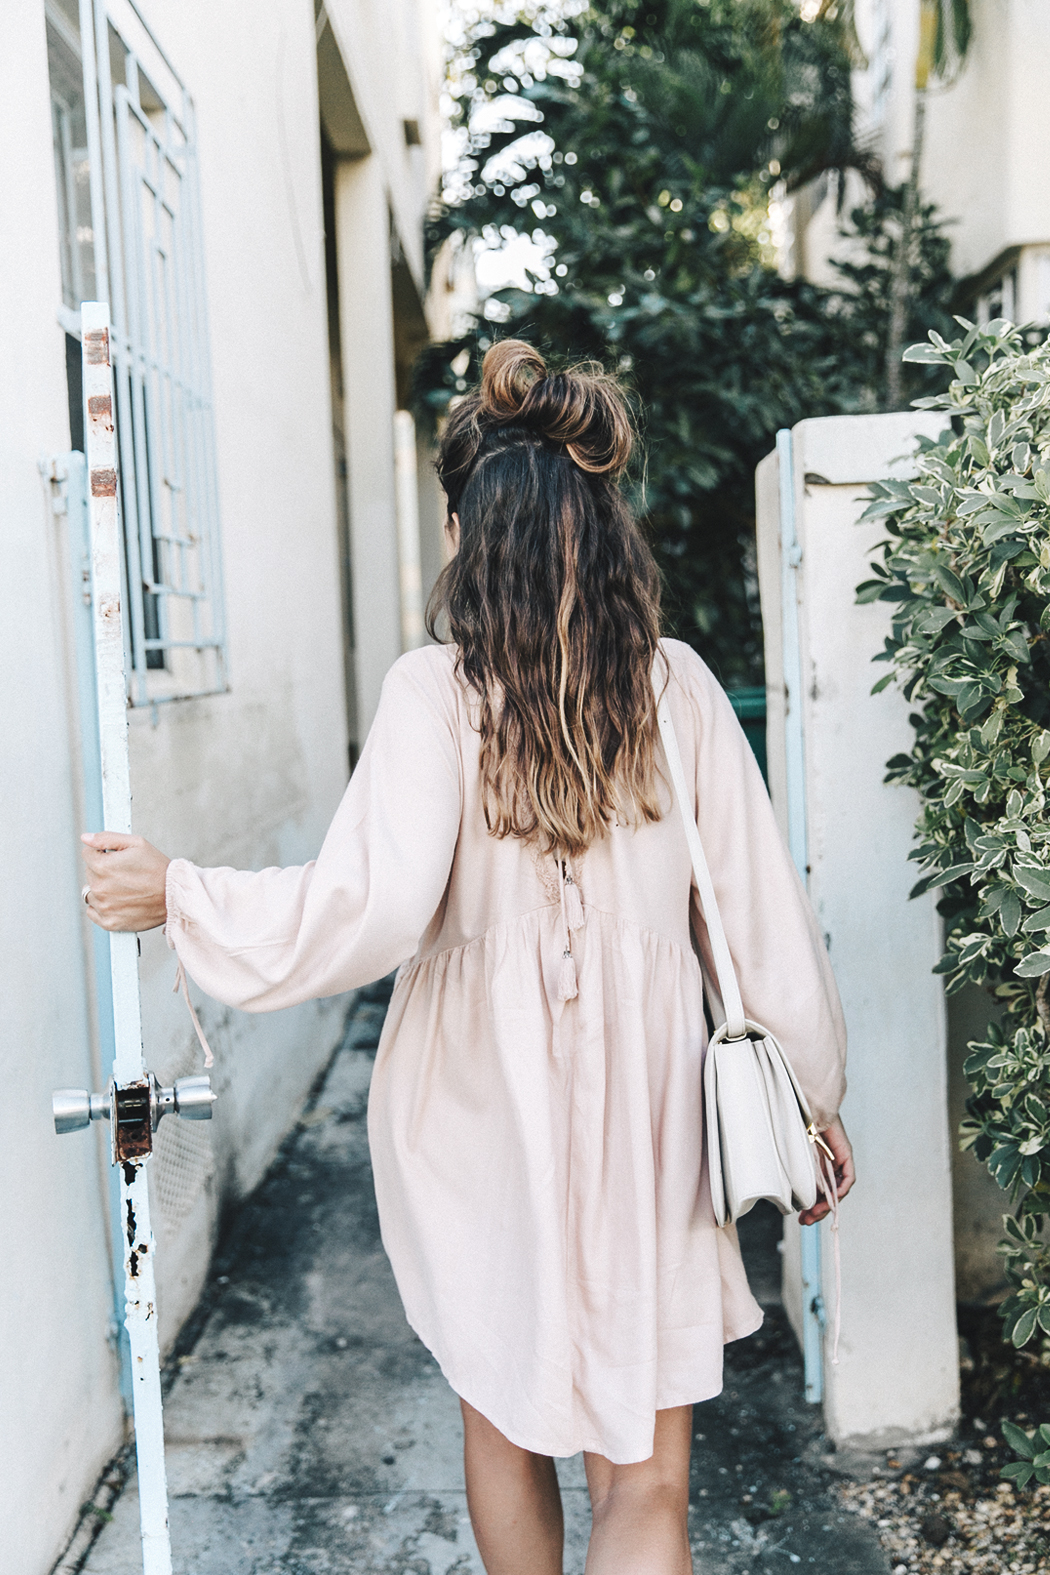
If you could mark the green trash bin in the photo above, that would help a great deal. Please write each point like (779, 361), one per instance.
(750, 707)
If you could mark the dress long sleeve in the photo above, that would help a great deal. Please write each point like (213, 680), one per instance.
(781, 962)
(272, 938)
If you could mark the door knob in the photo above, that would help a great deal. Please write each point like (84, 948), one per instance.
(189, 1097)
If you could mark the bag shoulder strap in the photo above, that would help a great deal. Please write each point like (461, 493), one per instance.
(728, 988)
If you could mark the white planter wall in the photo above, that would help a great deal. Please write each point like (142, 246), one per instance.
(897, 1377)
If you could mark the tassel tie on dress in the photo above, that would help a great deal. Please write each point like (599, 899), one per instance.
(180, 984)
(572, 920)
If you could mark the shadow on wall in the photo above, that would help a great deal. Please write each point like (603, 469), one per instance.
(978, 1203)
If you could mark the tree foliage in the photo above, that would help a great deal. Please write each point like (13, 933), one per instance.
(967, 568)
(945, 32)
(638, 141)
(862, 305)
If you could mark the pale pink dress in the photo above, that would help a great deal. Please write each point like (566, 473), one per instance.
(539, 1162)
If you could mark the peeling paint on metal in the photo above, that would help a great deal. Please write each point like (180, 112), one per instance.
(133, 1136)
(100, 411)
(96, 347)
(103, 483)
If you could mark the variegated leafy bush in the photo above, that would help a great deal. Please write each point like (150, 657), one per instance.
(967, 567)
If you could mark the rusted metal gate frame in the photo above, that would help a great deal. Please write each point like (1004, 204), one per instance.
(131, 1109)
(67, 474)
(134, 1102)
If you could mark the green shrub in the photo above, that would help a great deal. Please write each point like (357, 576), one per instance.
(1034, 1453)
(967, 566)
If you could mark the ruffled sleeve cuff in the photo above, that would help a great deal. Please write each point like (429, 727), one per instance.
(177, 918)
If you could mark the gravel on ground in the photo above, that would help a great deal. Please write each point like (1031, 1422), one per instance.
(947, 1510)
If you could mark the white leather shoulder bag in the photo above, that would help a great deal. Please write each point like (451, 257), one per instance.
(761, 1141)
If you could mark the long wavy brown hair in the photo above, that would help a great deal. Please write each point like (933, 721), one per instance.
(552, 600)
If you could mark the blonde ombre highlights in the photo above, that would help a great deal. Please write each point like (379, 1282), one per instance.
(552, 600)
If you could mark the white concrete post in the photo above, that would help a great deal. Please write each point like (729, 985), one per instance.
(366, 319)
(897, 1378)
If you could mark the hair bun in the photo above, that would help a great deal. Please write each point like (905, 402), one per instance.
(581, 410)
(509, 371)
(585, 412)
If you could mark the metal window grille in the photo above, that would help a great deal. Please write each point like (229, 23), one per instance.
(71, 166)
(145, 256)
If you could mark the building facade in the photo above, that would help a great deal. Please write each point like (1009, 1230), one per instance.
(246, 186)
(987, 122)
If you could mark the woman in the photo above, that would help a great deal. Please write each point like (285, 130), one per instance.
(535, 1111)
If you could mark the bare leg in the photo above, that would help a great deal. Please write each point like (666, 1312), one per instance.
(640, 1512)
(514, 1501)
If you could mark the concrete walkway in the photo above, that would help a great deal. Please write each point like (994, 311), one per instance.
(310, 1433)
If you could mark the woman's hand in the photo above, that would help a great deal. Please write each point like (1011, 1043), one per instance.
(126, 881)
(845, 1175)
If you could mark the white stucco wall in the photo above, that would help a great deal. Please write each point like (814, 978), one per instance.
(983, 162)
(60, 1415)
(367, 331)
(986, 131)
(380, 73)
(405, 37)
(973, 159)
(250, 777)
(897, 1375)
